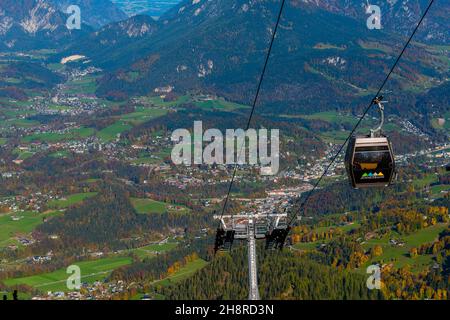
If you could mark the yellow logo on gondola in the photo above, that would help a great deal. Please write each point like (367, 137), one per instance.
(368, 166)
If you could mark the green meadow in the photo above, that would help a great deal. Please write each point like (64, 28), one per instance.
(87, 85)
(150, 250)
(220, 104)
(51, 137)
(149, 206)
(143, 114)
(91, 271)
(217, 103)
(70, 200)
(425, 181)
(157, 101)
(185, 272)
(22, 154)
(399, 256)
(435, 123)
(26, 223)
(111, 132)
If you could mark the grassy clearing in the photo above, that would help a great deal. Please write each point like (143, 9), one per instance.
(149, 206)
(23, 123)
(56, 66)
(439, 190)
(22, 154)
(315, 244)
(153, 249)
(113, 131)
(331, 116)
(184, 273)
(20, 223)
(445, 126)
(91, 271)
(146, 206)
(87, 85)
(425, 181)
(307, 245)
(344, 228)
(159, 102)
(71, 200)
(143, 114)
(217, 103)
(220, 104)
(51, 137)
(153, 158)
(399, 256)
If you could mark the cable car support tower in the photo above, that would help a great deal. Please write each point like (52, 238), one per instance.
(250, 227)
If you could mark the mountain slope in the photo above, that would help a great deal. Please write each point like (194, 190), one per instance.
(111, 40)
(34, 24)
(397, 16)
(95, 13)
(320, 56)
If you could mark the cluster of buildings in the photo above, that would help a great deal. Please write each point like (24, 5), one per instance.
(95, 291)
(31, 202)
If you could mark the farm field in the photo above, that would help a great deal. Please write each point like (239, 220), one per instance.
(143, 114)
(217, 103)
(91, 271)
(50, 137)
(87, 85)
(110, 133)
(71, 200)
(25, 223)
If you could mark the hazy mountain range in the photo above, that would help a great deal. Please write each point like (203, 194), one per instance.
(95, 13)
(324, 53)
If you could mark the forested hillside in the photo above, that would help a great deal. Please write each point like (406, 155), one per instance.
(282, 275)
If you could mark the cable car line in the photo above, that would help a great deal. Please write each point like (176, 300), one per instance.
(375, 100)
(255, 100)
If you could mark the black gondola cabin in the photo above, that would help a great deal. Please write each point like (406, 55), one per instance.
(370, 162)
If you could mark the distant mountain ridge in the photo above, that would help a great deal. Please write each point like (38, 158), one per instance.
(321, 55)
(95, 13)
(398, 16)
(34, 24)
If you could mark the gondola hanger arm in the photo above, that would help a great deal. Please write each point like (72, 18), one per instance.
(380, 103)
